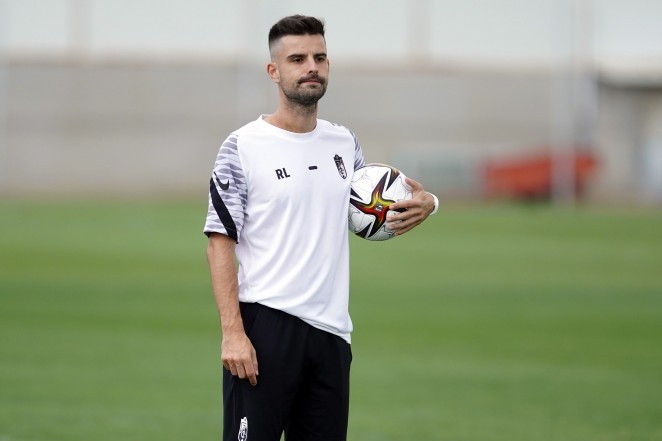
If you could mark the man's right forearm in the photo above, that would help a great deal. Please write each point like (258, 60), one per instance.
(220, 255)
(237, 352)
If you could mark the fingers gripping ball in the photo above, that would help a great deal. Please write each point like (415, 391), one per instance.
(374, 188)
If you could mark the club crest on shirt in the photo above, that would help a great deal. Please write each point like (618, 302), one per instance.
(341, 166)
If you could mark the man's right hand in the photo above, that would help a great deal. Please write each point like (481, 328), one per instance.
(239, 357)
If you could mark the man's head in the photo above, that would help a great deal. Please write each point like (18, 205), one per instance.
(294, 25)
(299, 64)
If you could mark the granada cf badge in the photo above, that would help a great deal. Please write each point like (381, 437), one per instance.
(341, 166)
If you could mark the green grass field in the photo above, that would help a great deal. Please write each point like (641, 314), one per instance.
(485, 324)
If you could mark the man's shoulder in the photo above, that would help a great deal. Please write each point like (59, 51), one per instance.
(247, 134)
(251, 127)
(328, 125)
(334, 128)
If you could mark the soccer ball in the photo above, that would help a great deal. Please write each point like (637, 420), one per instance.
(374, 188)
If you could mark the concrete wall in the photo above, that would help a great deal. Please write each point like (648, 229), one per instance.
(630, 143)
(154, 129)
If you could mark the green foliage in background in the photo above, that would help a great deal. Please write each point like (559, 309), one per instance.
(485, 324)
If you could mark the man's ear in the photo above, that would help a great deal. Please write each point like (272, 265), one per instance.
(272, 71)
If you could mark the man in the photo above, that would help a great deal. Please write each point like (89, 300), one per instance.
(279, 204)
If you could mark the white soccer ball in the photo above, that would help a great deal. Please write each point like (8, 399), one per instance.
(374, 188)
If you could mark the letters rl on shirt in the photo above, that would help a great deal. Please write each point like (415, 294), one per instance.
(281, 173)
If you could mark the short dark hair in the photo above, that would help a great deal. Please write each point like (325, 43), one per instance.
(295, 25)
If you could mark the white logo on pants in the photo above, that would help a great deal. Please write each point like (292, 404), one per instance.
(243, 429)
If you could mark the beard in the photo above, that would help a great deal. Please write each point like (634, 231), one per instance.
(306, 96)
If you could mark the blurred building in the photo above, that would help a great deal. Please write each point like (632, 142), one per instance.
(101, 97)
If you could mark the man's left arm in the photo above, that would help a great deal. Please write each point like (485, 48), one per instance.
(415, 210)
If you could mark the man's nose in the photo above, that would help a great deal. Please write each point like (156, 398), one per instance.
(312, 66)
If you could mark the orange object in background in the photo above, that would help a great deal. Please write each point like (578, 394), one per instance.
(530, 177)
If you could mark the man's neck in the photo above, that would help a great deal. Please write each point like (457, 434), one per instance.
(295, 119)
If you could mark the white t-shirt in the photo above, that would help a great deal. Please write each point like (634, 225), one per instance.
(284, 198)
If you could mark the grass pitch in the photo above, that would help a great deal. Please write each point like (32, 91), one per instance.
(486, 323)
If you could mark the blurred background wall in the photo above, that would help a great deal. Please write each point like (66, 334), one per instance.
(558, 99)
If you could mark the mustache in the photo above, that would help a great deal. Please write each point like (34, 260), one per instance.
(316, 78)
